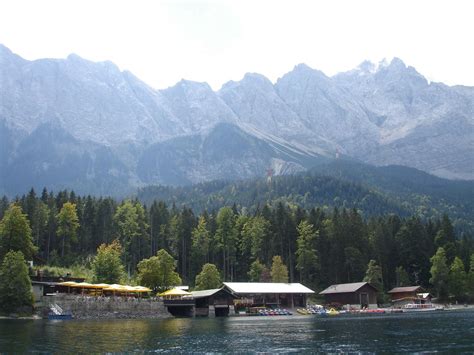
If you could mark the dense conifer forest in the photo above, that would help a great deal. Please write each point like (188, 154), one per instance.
(373, 191)
(318, 246)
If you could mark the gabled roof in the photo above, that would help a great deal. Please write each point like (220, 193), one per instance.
(205, 293)
(266, 287)
(405, 289)
(345, 288)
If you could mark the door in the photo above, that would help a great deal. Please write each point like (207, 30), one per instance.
(364, 300)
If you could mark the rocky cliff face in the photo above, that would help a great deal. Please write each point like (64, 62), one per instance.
(88, 126)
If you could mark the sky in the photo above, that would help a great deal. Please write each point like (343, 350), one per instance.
(162, 42)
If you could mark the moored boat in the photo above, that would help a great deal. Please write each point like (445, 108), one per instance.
(303, 311)
(416, 307)
(64, 316)
(332, 312)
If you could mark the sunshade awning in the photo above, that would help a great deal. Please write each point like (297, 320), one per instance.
(175, 292)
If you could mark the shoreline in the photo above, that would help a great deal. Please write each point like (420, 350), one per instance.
(115, 316)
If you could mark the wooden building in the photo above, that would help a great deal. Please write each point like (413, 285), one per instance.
(409, 294)
(218, 302)
(269, 294)
(356, 295)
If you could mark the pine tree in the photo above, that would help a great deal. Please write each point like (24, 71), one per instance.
(226, 236)
(470, 288)
(402, 278)
(306, 258)
(374, 277)
(200, 244)
(128, 229)
(279, 271)
(457, 279)
(446, 239)
(68, 223)
(256, 271)
(440, 273)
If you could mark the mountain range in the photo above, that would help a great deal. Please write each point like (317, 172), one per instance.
(73, 123)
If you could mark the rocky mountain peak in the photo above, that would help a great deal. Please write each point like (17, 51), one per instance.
(4, 51)
(396, 64)
(257, 79)
(380, 113)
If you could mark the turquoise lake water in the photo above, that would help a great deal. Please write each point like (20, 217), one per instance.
(446, 331)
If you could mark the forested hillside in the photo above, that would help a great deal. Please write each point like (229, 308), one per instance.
(373, 191)
(318, 246)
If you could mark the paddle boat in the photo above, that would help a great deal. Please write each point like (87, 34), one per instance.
(333, 312)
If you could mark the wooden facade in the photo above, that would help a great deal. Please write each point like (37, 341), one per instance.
(219, 301)
(408, 292)
(357, 295)
(271, 294)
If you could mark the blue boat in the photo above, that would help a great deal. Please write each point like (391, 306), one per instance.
(57, 313)
(65, 316)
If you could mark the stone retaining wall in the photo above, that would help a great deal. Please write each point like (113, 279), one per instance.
(88, 307)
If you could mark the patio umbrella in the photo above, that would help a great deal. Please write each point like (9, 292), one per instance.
(174, 292)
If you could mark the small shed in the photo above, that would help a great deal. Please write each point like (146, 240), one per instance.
(272, 294)
(356, 295)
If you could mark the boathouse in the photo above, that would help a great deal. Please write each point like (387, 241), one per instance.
(269, 294)
(409, 294)
(217, 302)
(356, 295)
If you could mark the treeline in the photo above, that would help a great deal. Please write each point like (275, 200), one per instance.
(372, 191)
(317, 247)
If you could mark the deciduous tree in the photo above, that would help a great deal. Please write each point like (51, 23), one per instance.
(158, 272)
(15, 284)
(15, 233)
(107, 264)
(208, 278)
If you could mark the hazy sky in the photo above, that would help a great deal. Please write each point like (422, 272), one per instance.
(216, 41)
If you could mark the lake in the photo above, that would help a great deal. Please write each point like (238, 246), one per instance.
(451, 331)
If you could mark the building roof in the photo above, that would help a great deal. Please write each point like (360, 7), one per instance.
(345, 288)
(266, 287)
(44, 283)
(205, 293)
(405, 289)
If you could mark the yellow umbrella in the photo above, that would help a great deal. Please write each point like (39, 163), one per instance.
(114, 287)
(128, 288)
(141, 289)
(101, 285)
(83, 285)
(174, 292)
(68, 283)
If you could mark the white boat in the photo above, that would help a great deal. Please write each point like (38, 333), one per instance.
(421, 307)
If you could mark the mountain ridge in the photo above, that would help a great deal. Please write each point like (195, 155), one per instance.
(388, 115)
